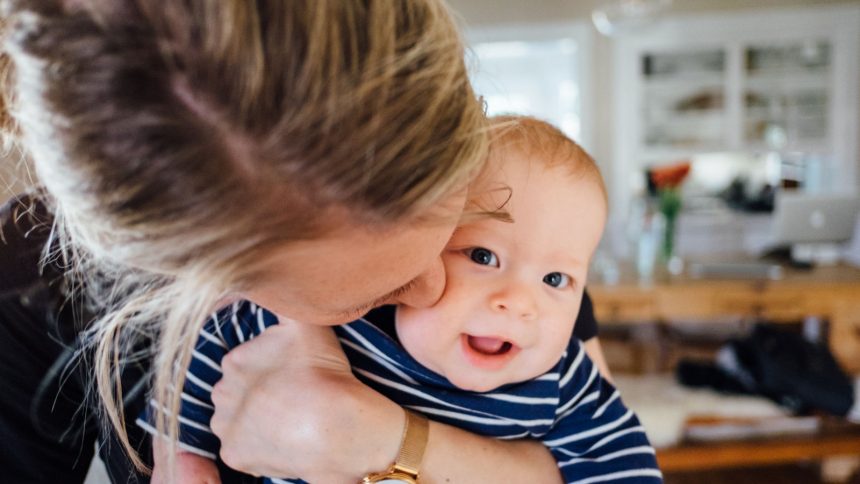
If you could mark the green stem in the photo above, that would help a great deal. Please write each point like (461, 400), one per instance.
(669, 237)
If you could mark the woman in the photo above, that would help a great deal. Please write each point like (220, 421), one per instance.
(45, 433)
(309, 156)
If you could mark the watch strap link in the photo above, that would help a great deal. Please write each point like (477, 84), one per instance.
(413, 444)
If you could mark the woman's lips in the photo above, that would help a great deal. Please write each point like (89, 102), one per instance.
(488, 352)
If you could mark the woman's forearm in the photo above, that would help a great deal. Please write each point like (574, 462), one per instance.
(595, 352)
(454, 455)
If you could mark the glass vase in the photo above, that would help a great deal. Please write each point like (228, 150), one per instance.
(670, 207)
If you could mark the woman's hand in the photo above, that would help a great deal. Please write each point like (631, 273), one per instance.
(288, 406)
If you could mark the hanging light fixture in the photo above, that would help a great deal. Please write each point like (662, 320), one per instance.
(623, 16)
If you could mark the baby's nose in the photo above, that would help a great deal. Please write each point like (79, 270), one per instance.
(517, 301)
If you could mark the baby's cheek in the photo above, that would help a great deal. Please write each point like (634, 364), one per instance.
(418, 331)
(411, 319)
(552, 348)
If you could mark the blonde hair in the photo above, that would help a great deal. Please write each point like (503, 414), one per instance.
(541, 142)
(178, 143)
(546, 143)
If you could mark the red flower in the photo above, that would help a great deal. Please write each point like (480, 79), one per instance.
(670, 176)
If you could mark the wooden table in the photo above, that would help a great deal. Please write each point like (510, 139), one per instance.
(830, 293)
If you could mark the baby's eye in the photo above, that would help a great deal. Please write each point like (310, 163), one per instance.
(557, 280)
(485, 257)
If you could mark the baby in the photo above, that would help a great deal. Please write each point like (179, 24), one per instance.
(495, 355)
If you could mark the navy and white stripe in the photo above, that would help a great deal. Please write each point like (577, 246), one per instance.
(571, 409)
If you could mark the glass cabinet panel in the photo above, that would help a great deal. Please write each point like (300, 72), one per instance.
(787, 94)
(683, 103)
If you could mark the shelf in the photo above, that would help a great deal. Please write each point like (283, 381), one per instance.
(788, 81)
(763, 114)
(685, 82)
(673, 115)
(803, 145)
(664, 152)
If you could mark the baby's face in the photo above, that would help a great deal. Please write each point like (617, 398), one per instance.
(513, 289)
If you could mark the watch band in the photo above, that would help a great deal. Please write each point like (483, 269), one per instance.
(406, 466)
(413, 444)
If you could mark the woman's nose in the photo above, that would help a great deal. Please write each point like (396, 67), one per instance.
(516, 300)
(427, 288)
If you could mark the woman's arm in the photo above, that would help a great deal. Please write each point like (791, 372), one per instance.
(595, 352)
(454, 455)
(586, 330)
(289, 406)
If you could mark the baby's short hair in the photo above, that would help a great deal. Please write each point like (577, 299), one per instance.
(543, 141)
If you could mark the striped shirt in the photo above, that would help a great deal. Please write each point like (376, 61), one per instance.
(571, 409)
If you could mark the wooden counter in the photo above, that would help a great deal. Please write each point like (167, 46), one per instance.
(831, 293)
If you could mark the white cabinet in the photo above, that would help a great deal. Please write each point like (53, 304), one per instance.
(751, 82)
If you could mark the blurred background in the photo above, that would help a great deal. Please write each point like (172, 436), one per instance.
(727, 283)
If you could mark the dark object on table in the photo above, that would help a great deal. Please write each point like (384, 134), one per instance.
(701, 374)
(780, 365)
(737, 196)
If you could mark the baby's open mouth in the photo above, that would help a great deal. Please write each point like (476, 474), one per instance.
(488, 345)
(489, 353)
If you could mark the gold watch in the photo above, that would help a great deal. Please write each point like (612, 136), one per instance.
(405, 468)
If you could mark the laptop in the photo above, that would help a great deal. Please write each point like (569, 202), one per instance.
(810, 225)
(802, 218)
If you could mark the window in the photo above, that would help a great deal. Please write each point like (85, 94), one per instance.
(523, 70)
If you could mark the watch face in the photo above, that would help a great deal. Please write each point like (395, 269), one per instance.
(390, 478)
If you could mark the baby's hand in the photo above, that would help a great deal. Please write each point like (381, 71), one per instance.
(190, 468)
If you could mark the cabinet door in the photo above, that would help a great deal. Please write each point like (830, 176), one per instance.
(683, 100)
(786, 95)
